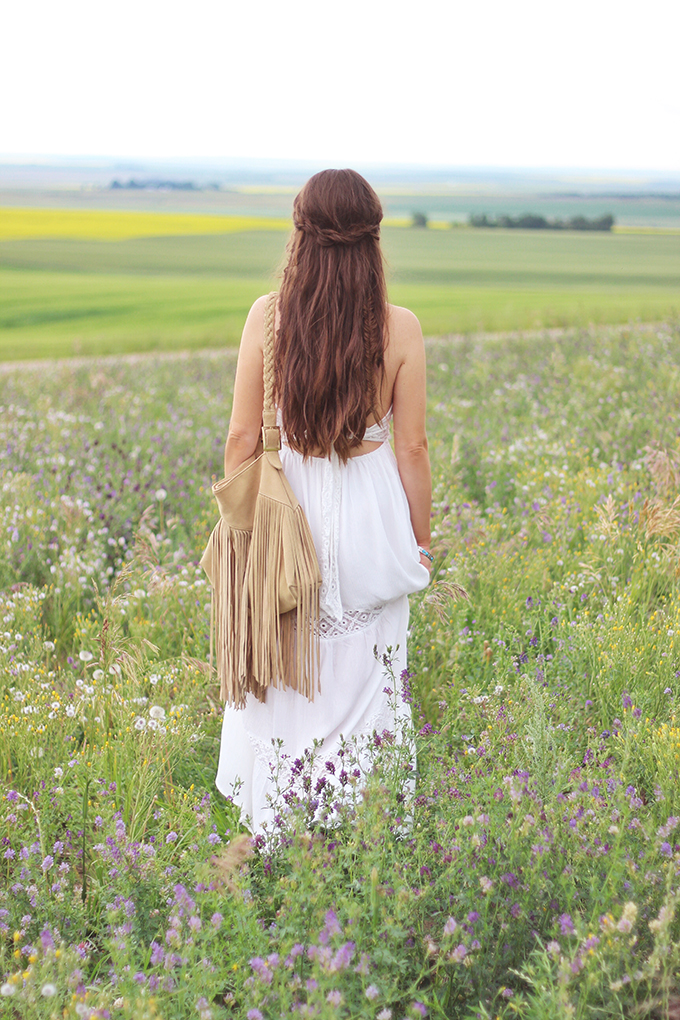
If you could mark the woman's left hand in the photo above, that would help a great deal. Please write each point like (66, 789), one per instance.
(426, 562)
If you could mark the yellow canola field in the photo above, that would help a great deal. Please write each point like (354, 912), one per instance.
(112, 225)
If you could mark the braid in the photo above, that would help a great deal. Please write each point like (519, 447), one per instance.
(327, 236)
(373, 355)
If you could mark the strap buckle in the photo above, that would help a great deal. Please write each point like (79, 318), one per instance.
(271, 438)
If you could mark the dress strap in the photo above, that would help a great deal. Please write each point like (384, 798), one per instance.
(380, 431)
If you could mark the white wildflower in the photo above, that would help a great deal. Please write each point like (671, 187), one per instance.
(85, 656)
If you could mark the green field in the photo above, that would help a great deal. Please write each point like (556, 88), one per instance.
(526, 869)
(64, 296)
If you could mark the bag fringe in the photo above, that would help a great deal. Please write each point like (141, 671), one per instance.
(255, 646)
(230, 549)
(285, 650)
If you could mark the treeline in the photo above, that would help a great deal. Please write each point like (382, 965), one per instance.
(160, 185)
(529, 221)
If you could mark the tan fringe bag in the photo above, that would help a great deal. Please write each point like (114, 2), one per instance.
(263, 568)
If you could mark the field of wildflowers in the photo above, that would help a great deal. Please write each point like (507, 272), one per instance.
(532, 873)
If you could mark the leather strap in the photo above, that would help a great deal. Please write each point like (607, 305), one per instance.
(271, 434)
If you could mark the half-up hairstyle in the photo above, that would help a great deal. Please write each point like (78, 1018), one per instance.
(329, 353)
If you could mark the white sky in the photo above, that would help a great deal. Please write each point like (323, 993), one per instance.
(589, 83)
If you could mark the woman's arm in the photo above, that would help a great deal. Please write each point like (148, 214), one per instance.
(409, 409)
(246, 409)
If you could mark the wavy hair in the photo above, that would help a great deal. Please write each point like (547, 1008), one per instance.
(330, 345)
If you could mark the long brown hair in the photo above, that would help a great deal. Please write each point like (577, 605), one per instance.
(330, 344)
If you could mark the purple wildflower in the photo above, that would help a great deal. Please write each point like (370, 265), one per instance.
(331, 928)
(342, 958)
(363, 965)
(262, 970)
(156, 954)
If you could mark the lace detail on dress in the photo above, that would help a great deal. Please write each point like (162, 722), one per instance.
(264, 750)
(331, 492)
(349, 623)
(380, 431)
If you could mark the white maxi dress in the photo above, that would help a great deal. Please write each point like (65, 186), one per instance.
(360, 522)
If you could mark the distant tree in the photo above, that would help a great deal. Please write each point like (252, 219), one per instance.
(532, 221)
(529, 221)
(480, 220)
(601, 223)
(419, 219)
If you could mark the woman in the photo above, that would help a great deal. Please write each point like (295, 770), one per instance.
(346, 362)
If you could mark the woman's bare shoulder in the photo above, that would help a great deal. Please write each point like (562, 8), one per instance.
(404, 327)
(253, 330)
(257, 307)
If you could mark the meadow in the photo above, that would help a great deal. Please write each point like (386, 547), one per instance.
(534, 871)
(124, 280)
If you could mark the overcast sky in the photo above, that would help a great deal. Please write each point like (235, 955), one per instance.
(534, 83)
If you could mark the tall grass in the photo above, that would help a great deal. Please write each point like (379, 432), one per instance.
(534, 870)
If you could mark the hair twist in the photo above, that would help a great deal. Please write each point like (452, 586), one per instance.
(327, 236)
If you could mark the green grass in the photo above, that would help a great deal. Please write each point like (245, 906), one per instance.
(541, 842)
(251, 253)
(62, 297)
(59, 314)
(533, 258)
(443, 310)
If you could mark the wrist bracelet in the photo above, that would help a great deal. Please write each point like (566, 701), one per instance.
(424, 552)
